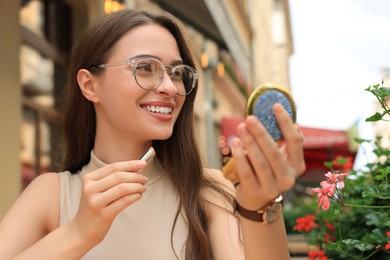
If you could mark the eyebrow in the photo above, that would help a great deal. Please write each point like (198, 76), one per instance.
(175, 62)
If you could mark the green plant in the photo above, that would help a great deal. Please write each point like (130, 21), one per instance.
(352, 220)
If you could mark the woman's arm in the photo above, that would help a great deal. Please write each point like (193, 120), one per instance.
(265, 241)
(265, 171)
(224, 227)
(32, 224)
(34, 214)
(229, 232)
(30, 228)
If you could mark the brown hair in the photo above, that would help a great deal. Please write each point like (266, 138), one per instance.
(175, 153)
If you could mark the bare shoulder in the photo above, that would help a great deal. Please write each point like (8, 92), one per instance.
(45, 190)
(34, 214)
(43, 180)
(41, 196)
(37, 205)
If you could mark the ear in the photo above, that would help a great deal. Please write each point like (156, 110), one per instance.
(87, 85)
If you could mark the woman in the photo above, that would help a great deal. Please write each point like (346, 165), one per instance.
(132, 86)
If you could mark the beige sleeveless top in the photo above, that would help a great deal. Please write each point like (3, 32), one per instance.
(142, 231)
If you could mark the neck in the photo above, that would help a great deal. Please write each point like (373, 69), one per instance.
(110, 151)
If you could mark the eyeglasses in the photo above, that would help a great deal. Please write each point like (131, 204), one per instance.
(148, 72)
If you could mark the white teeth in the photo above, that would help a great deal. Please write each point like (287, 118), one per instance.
(155, 109)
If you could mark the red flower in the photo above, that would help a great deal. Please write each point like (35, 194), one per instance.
(343, 163)
(317, 255)
(347, 166)
(387, 246)
(305, 223)
(329, 238)
(329, 226)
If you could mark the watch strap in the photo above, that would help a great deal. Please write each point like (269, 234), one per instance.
(255, 215)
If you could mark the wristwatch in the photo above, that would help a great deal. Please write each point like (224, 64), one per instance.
(268, 214)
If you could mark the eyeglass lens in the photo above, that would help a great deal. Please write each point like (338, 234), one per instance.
(149, 75)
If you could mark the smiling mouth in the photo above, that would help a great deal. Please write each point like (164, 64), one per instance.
(159, 110)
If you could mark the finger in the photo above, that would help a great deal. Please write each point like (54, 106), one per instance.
(293, 138)
(269, 148)
(117, 192)
(256, 157)
(122, 203)
(128, 166)
(117, 178)
(243, 168)
(278, 174)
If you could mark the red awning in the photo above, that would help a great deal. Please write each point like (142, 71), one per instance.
(320, 138)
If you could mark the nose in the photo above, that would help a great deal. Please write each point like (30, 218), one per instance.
(167, 86)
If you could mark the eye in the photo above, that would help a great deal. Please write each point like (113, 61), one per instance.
(178, 73)
(144, 67)
(147, 68)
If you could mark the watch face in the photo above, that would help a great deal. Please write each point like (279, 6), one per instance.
(273, 212)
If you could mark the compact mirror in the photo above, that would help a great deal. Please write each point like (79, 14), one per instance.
(261, 101)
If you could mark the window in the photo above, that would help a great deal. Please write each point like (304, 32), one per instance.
(46, 41)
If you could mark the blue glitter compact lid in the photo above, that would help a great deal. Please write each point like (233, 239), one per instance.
(261, 101)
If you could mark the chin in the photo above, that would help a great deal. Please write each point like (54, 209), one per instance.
(162, 136)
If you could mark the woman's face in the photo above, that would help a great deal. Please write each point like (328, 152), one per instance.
(124, 109)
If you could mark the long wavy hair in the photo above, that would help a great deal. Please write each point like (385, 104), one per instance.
(179, 155)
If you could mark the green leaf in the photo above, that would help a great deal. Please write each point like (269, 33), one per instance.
(383, 92)
(376, 117)
(341, 160)
(360, 141)
(328, 165)
(350, 242)
(373, 87)
(372, 220)
(333, 246)
(378, 235)
(371, 192)
(364, 247)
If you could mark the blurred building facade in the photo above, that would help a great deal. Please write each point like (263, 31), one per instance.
(240, 44)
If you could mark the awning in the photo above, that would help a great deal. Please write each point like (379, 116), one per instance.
(196, 14)
(321, 138)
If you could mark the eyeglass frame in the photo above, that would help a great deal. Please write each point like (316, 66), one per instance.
(134, 61)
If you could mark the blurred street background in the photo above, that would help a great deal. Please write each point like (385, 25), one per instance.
(326, 52)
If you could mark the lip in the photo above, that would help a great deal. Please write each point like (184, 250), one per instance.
(160, 110)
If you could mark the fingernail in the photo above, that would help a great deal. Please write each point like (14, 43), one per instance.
(242, 130)
(145, 179)
(141, 163)
(277, 108)
(251, 120)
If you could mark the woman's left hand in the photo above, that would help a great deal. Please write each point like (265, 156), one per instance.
(265, 169)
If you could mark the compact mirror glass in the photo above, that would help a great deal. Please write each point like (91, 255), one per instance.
(261, 101)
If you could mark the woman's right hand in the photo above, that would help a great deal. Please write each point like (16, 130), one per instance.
(106, 192)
